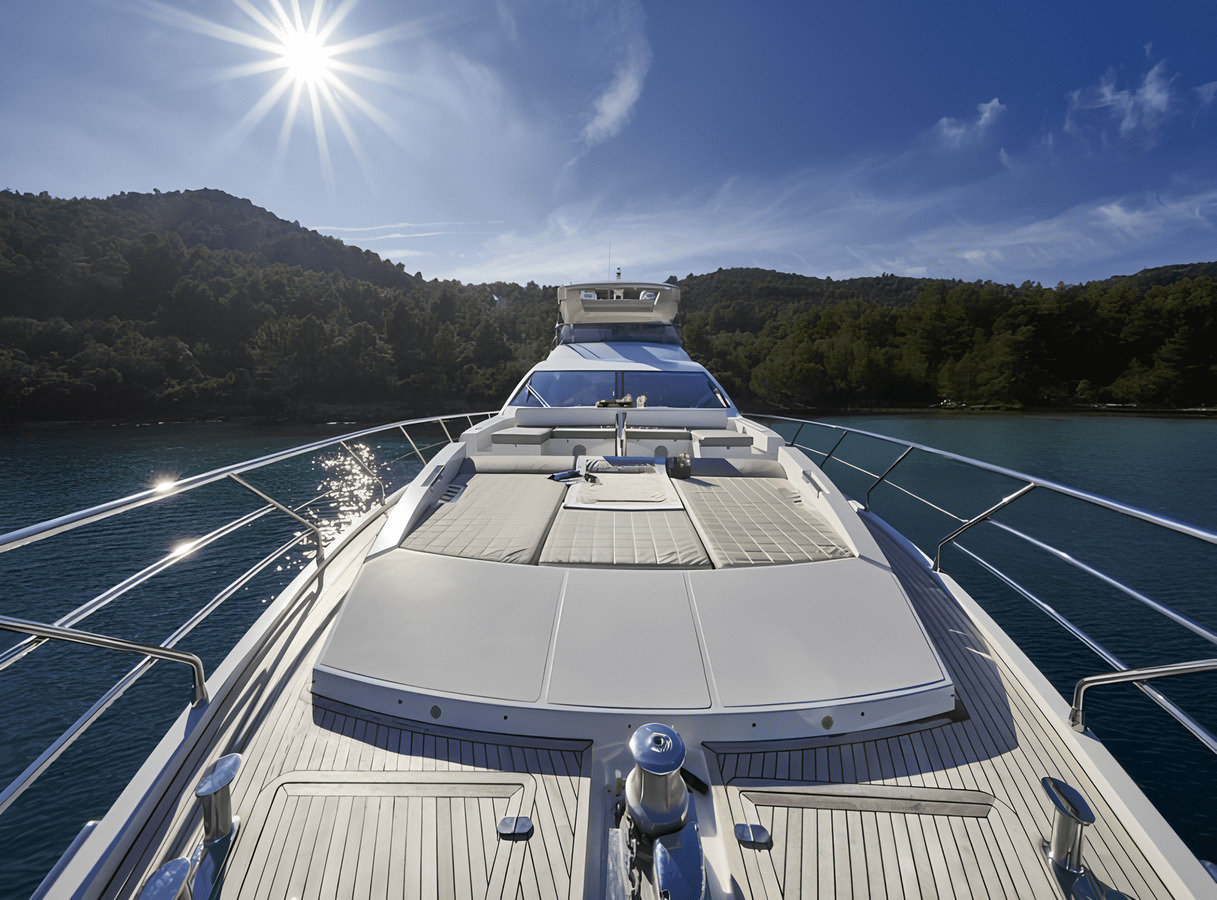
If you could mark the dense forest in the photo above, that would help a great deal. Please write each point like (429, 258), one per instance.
(199, 304)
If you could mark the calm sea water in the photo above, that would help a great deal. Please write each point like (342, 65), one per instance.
(1168, 466)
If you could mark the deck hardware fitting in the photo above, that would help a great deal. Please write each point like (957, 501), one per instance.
(214, 793)
(754, 837)
(170, 882)
(515, 828)
(1063, 849)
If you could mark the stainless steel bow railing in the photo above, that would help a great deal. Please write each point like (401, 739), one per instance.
(64, 630)
(1123, 673)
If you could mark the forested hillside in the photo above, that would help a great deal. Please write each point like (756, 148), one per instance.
(201, 304)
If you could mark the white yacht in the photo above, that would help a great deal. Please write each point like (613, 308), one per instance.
(620, 640)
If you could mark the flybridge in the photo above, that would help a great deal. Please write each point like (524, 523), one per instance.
(616, 312)
(616, 303)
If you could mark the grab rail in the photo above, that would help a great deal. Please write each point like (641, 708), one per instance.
(1123, 673)
(1077, 718)
(51, 632)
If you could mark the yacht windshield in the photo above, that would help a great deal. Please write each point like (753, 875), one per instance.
(687, 390)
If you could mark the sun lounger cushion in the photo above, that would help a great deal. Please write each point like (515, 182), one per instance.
(757, 521)
(600, 537)
(499, 517)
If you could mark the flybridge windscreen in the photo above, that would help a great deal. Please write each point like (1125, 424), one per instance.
(635, 333)
(684, 390)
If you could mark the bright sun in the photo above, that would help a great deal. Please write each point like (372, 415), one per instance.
(301, 47)
(306, 57)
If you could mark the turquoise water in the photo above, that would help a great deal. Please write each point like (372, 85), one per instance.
(1168, 466)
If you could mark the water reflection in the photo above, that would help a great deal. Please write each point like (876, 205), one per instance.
(347, 489)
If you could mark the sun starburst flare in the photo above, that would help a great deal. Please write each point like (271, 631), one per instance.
(315, 72)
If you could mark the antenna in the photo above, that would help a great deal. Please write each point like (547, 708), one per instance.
(610, 256)
(619, 273)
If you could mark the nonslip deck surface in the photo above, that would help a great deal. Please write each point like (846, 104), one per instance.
(339, 802)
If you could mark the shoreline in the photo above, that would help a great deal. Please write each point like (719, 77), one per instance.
(354, 418)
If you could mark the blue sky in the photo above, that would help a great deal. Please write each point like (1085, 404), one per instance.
(540, 139)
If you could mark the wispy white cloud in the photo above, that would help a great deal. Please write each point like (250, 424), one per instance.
(613, 108)
(507, 21)
(1205, 94)
(958, 132)
(399, 235)
(392, 225)
(833, 223)
(1140, 111)
(404, 253)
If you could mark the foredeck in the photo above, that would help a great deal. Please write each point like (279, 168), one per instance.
(336, 801)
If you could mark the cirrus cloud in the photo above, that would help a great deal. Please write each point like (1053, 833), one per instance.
(958, 132)
(1140, 111)
(613, 108)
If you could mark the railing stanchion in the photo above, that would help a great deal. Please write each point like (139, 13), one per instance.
(291, 512)
(879, 480)
(421, 458)
(1005, 501)
(794, 441)
(359, 462)
(828, 455)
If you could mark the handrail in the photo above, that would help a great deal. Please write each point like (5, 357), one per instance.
(1198, 731)
(1095, 499)
(51, 527)
(24, 626)
(35, 769)
(1077, 718)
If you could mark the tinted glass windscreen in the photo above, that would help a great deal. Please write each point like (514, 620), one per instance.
(679, 389)
(682, 389)
(567, 389)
